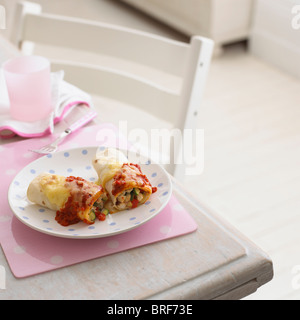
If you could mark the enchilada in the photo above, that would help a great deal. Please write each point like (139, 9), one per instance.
(124, 182)
(74, 199)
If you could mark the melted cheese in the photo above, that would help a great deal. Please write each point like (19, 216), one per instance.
(107, 163)
(53, 186)
(107, 171)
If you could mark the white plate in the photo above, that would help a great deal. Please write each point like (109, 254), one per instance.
(78, 162)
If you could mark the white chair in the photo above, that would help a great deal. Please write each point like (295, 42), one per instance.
(189, 62)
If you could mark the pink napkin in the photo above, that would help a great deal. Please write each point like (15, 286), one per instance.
(30, 252)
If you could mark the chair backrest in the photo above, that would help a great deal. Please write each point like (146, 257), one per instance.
(187, 61)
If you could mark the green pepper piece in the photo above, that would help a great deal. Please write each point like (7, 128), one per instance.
(132, 195)
(105, 211)
(136, 191)
(92, 215)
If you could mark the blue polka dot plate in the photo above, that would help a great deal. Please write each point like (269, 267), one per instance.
(78, 162)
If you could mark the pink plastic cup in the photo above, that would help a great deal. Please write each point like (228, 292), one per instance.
(28, 84)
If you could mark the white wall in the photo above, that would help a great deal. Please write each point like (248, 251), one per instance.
(274, 37)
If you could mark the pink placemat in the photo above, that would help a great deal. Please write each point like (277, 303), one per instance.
(30, 252)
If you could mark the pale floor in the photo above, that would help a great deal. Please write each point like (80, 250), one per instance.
(250, 116)
(252, 175)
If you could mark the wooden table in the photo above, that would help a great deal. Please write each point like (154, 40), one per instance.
(215, 262)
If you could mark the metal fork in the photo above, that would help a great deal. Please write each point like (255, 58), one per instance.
(53, 146)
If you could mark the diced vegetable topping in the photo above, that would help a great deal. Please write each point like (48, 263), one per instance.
(135, 203)
(101, 216)
(105, 211)
(92, 215)
(136, 191)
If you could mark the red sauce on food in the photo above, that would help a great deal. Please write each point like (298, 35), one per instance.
(68, 215)
(77, 201)
(130, 173)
